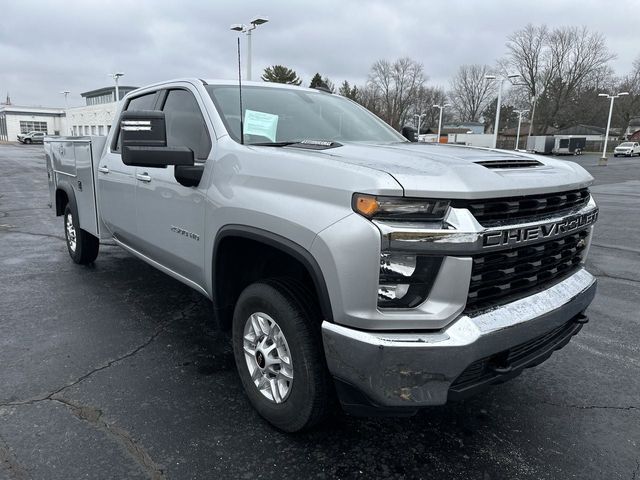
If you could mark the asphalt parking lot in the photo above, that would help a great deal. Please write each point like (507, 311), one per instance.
(117, 371)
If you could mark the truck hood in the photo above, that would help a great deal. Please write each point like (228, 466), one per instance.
(452, 171)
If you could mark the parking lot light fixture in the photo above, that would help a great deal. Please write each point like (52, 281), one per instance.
(66, 103)
(116, 76)
(441, 107)
(501, 80)
(419, 116)
(603, 159)
(242, 28)
(520, 114)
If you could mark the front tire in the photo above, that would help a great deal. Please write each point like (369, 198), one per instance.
(82, 246)
(279, 355)
(27, 141)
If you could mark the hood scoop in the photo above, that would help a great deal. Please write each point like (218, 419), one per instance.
(510, 163)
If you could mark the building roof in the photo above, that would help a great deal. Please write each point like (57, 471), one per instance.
(23, 110)
(107, 90)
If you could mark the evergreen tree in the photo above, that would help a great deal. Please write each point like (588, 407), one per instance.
(348, 91)
(281, 74)
(316, 81)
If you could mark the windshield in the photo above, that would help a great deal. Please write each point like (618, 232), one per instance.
(626, 144)
(275, 115)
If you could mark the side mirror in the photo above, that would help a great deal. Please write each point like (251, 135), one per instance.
(143, 136)
(409, 133)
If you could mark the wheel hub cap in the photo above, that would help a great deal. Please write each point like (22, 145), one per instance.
(70, 230)
(268, 357)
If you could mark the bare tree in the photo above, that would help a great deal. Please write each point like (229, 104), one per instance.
(426, 98)
(392, 88)
(555, 65)
(471, 92)
(629, 106)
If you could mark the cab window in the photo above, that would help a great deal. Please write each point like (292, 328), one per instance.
(185, 124)
(143, 102)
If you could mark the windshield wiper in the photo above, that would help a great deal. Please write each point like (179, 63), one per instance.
(308, 144)
(271, 144)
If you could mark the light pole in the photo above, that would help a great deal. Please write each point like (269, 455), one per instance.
(533, 111)
(603, 160)
(66, 103)
(419, 117)
(497, 122)
(441, 107)
(116, 76)
(520, 113)
(240, 27)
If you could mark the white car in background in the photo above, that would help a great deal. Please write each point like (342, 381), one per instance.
(627, 148)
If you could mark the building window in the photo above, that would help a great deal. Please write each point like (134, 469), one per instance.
(93, 129)
(86, 130)
(28, 126)
(100, 129)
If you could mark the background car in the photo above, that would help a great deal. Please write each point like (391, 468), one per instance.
(32, 137)
(627, 148)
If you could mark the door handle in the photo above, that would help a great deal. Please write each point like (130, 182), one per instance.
(143, 177)
(103, 169)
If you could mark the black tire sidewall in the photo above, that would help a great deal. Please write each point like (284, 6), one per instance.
(292, 414)
(86, 244)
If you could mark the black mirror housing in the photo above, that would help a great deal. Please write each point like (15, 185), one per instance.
(143, 137)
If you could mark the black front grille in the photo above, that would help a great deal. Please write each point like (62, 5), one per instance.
(528, 354)
(504, 276)
(511, 209)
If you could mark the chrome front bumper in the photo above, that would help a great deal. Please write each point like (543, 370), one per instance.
(417, 369)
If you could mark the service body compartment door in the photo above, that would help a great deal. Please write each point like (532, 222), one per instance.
(85, 184)
(51, 177)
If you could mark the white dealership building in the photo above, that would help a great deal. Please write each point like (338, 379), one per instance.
(93, 118)
(96, 116)
(16, 119)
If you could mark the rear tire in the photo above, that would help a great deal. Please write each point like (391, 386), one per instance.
(283, 314)
(82, 246)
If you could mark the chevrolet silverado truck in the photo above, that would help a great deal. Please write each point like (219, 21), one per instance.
(348, 263)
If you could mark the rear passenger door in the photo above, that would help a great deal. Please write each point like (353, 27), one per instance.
(170, 215)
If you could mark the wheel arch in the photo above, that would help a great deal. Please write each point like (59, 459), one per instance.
(65, 195)
(222, 291)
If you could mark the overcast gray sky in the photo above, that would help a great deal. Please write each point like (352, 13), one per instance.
(49, 46)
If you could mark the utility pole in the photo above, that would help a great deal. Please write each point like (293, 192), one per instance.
(116, 76)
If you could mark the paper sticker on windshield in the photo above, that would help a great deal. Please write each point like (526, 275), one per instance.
(260, 123)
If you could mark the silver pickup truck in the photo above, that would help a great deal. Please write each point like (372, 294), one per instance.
(348, 263)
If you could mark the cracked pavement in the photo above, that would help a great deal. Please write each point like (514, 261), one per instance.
(117, 371)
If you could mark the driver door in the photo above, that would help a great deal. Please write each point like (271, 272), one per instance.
(171, 216)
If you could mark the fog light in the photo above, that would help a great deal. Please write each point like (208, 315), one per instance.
(405, 280)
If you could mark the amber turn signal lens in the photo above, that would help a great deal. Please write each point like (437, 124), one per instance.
(366, 205)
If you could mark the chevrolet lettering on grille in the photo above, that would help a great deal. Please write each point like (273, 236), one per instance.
(515, 236)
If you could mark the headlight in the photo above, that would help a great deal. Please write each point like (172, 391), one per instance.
(405, 279)
(399, 208)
